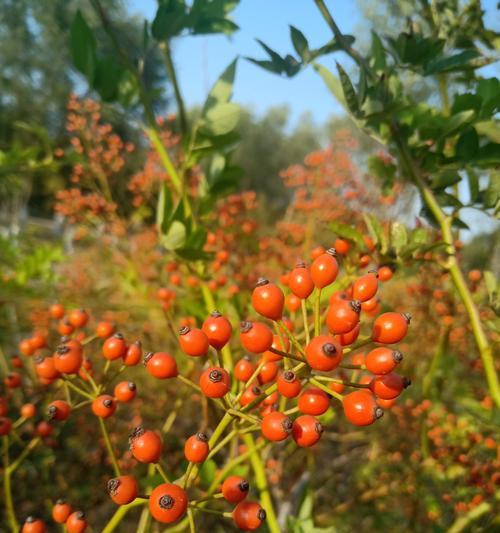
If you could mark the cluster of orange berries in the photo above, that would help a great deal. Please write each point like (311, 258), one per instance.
(62, 513)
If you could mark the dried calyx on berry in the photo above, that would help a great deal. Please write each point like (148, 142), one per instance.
(355, 306)
(245, 326)
(261, 282)
(131, 386)
(289, 376)
(215, 376)
(147, 357)
(202, 437)
(107, 402)
(215, 314)
(287, 425)
(244, 486)
(329, 349)
(397, 356)
(332, 252)
(112, 486)
(166, 502)
(137, 432)
(184, 330)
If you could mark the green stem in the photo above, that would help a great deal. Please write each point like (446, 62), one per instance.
(9, 503)
(109, 447)
(304, 319)
(78, 390)
(317, 314)
(262, 485)
(444, 221)
(169, 64)
(27, 450)
(326, 389)
(428, 379)
(120, 513)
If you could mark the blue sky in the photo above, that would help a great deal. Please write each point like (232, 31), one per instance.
(200, 60)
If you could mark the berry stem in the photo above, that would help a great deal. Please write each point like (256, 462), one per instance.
(249, 381)
(88, 340)
(262, 484)
(291, 336)
(210, 511)
(78, 389)
(188, 382)
(358, 344)
(286, 354)
(304, 319)
(27, 450)
(353, 367)
(326, 389)
(317, 313)
(109, 447)
(120, 513)
(162, 472)
(9, 503)
(192, 526)
(248, 418)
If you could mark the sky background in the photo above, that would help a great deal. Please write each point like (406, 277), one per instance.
(200, 60)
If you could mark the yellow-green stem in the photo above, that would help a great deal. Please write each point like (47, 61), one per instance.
(262, 484)
(109, 447)
(120, 513)
(9, 503)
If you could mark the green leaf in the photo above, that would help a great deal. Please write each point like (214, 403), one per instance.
(299, 43)
(164, 207)
(332, 83)
(492, 193)
(473, 180)
(455, 122)
(347, 232)
(490, 129)
(83, 47)
(175, 236)
(448, 64)
(348, 90)
(108, 76)
(491, 284)
(399, 236)
(377, 53)
(169, 20)
(222, 90)
(207, 472)
(374, 228)
(467, 145)
(221, 119)
(445, 179)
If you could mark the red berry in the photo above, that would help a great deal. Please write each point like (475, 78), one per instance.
(58, 410)
(78, 318)
(133, 354)
(389, 386)
(360, 408)
(218, 330)
(56, 311)
(235, 489)
(125, 391)
(306, 431)
(268, 299)
(313, 401)
(255, 337)
(104, 329)
(193, 341)
(161, 365)
(276, 426)
(300, 281)
(145, 445)
(383, 360)
(168, 503)
(343, 316)
(215, 382)
(5, 425)
(61, 511)
(68, 357)
(104, 406)
(248, 516)
(324, 269)
(76, 522)
(288, 384)
(390, 328)
(123, 489)
(365, 287)
(323, 353)
(196, 448)
(114, 347)
(33, 525)
(244, 369)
